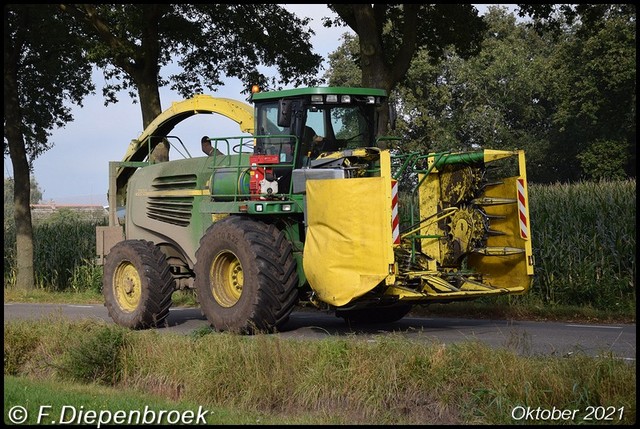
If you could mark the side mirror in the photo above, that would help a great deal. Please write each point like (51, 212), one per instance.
(284, 113)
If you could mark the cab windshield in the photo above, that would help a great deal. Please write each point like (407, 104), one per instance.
(314, 129)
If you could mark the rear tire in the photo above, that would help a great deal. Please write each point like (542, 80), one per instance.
(246, 277)
(375, 314)
(137, 284)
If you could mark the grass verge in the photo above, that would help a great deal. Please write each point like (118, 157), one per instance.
(331, 381)
(63, 402)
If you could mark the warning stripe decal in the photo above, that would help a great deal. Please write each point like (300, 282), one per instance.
(395, 220)
(522, 212)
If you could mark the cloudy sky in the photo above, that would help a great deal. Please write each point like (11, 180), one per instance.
(75, 170)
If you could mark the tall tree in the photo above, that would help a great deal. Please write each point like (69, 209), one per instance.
(44, 70)
(451, 103)
(390, 36)
(496, 99)
(594, 70)
(132, 42)
(566, 96)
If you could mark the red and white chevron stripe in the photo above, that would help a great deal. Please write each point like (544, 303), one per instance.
(395, 220)
(522, 210)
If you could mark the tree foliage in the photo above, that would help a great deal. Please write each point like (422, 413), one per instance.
(492, 100)
(390, 35)
(45, 70)
(132, 43)
(594, 72)
(567, 98)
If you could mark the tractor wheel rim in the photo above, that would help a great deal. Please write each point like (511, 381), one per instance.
(127, 287)
(227, 279)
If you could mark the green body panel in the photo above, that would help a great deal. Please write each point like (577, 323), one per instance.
(165, 201)
(173, 203)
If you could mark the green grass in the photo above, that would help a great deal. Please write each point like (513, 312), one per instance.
(336, 380)
(39, 295)
(584, 247)
(505, 309)
(64, 402)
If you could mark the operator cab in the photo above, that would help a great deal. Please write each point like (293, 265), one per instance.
(308, 133)
(288, 121)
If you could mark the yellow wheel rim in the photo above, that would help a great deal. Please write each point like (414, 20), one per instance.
(127, 286)
(226, 279)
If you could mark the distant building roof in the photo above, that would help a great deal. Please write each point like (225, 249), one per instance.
(53, 206)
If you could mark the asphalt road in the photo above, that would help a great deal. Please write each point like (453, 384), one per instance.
(524, 337)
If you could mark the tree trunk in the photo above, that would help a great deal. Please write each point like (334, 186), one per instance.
(381, 69)
(25, 277)
(151, 107)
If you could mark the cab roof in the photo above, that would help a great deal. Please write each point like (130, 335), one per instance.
(297, 92)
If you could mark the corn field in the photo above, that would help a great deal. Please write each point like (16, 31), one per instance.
(64, 248)
(584, 243)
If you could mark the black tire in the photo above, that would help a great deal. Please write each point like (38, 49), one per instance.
(137, 284)
(375, 314)
(246, 276)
